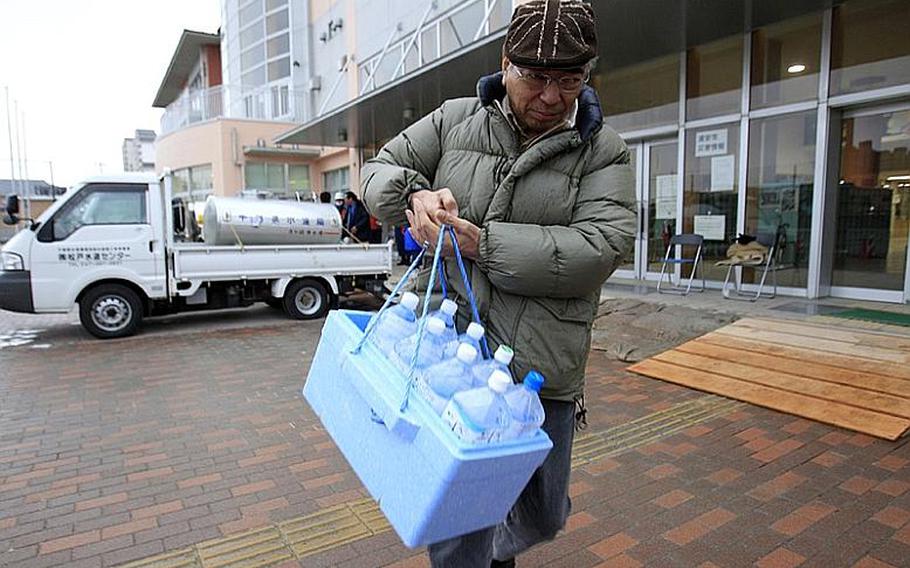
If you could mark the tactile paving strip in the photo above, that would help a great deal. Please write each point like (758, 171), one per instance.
(356, 520)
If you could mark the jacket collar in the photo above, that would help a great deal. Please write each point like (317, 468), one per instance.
(588, 119)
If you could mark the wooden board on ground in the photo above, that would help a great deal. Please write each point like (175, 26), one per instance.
(854, 379)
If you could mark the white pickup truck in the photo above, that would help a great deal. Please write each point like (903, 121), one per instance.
(109, 245)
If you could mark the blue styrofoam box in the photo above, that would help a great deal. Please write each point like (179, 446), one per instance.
(430, 485)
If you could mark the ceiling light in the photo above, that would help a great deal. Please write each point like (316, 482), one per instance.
(796, 68)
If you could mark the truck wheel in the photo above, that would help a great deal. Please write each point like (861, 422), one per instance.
(306, 299)
(110, 310)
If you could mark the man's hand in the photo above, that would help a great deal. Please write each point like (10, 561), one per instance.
(467, 233)
(425, 205)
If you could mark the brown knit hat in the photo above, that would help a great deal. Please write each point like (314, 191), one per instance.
(559, 34)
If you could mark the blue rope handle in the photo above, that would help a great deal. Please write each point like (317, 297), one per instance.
(485, 348)
(423, 319)
(388, 302)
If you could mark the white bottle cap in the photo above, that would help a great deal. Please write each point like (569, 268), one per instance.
(499, 381)
(448, 307)
(436, 326)
(475, 331)
(504, 354)
(466, 353)
(410, 300)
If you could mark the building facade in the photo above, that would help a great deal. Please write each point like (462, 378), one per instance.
(776, 117)
(139, 152)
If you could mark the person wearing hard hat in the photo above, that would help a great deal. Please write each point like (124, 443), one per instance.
(541, 196)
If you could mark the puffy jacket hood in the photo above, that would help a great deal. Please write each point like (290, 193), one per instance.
(588, 120)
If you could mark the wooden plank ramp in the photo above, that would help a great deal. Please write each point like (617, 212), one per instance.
(852, 378)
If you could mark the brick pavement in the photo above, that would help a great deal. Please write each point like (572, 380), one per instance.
(122, 450)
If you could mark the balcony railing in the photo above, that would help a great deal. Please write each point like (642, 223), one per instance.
(269, 102)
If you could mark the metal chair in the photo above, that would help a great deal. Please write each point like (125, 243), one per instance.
(770, 264)
(685, 240)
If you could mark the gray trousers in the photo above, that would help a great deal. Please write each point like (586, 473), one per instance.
(540, 512)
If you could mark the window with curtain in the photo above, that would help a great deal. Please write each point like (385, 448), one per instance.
(337, 180)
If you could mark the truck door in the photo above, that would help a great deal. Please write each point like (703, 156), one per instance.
(102, 233)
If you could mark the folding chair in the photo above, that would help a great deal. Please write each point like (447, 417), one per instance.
(770, 264)
(685, 240)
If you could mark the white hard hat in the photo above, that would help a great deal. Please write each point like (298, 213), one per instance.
(339, 195)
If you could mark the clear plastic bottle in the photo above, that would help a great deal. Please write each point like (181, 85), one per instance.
(472, 337)
(397, 323)
(480, 416)
(525, 407)
(500, 362)
(446, 313)
(432, 346)
(438, 383)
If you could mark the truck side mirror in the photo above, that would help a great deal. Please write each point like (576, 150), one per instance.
(12, 205)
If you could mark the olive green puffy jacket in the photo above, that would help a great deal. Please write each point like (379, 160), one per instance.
(556, 220)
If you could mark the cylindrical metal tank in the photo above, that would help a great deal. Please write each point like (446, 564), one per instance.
(231, 221)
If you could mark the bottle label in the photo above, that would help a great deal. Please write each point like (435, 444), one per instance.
(465, 429)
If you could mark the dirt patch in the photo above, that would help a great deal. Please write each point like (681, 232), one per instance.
(631, 330)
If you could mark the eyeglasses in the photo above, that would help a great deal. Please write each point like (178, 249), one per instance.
(538, 81)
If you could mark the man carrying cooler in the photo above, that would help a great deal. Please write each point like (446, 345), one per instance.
(541, 197)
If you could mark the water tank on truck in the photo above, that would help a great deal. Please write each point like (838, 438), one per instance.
(232, 220)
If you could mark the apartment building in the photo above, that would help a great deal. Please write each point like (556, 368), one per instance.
(139, 152)
(789, 117)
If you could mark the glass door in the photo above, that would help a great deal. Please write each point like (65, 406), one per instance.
(662, 211)
(656, 191)
(872, 218)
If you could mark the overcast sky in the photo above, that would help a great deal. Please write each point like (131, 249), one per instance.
(85, 73)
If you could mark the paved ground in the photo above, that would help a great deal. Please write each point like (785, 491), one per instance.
(192, 439)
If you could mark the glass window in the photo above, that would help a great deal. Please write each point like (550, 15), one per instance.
(785, 61)
(711, 190)
(428, 44)
(275, 176)
(272, 4)
(250, 12)
(870, 45)
(254, 176)
(662, 192)
(254, 78)
(276, 22)
(104, 205)
(298, 177)
(251, 35)
(336, 180)
(714, 78)
(201, 177)
(279, 45)
(280, 68)
(873, 202)
(639, 96)
(252, 57)
(265, 176)
(779, 189)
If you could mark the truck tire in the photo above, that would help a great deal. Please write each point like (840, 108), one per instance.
(306, 299)
(108, 311)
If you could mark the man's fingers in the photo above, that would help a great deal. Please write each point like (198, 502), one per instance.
(448, 201)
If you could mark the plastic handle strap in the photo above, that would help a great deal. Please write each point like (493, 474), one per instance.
(388, 302)
(467, 285)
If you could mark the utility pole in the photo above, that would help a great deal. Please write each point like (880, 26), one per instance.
(18, 146)
(50, 166)
(9, 131)
(28, 181)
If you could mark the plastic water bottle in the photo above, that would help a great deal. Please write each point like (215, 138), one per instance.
(432, 346)
(397, 322)
(439, 382)
(472, 337)
(446, 313)
(500, 362)
(525, 407)
(480, 416)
